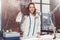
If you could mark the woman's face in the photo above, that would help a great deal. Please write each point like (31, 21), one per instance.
(31, 8)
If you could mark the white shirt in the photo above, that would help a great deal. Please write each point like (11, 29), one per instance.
(26, 23)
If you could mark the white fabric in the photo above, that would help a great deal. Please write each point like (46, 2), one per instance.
(19, 17)
(42, 37)
(25, 26)
(58, 35)
(57, 39)
(11, 34)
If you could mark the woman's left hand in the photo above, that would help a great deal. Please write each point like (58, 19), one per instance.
(38, 35)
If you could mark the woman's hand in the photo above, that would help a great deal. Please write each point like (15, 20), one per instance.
(38, 35)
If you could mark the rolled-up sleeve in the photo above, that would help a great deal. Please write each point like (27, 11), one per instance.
(38, 25)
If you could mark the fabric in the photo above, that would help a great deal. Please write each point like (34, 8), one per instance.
(19, 17)
(42, 37)
(30, 26)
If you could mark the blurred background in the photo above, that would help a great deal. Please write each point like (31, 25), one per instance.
(49, 11)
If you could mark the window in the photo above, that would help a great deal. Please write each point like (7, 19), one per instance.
(45, 15)
(36, 1)
(37, 7)
(43, 6)
(45, 1)
(37, 4)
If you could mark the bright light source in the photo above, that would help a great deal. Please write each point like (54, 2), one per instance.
(59, 1)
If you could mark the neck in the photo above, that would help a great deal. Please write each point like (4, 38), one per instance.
(32, 14)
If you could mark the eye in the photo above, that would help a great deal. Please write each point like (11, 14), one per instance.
(31, 7)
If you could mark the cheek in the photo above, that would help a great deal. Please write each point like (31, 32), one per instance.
(29, 9)
(32, 9)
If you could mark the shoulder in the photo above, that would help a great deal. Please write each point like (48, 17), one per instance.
(37, 15)
(26, 17)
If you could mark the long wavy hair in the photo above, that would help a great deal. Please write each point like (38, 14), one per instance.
(27, 9)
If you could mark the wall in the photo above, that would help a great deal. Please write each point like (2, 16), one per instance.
(10, 9)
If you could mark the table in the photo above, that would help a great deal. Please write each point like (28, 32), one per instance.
(43, 37)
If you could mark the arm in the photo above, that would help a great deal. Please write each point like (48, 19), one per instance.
(38, 26)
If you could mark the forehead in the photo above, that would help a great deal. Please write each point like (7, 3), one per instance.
(32, 5)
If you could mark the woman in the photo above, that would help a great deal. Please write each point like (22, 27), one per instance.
(31, 23)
